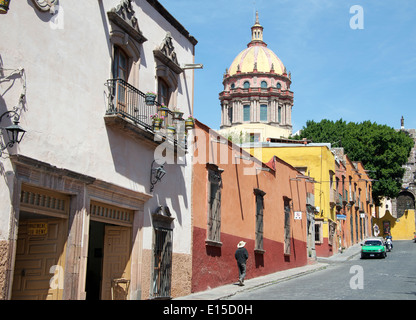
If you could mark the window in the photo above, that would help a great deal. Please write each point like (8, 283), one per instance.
(287, 226)
(278, 85)
(230, 115)
(214, 205)
(246, 84)
(279, 114)
(264, 84)
(254, 137)
(162, 262)
(259, 219)
(120, 71)
(233, 86)
(163, 92)
(246, 111)
(263, 112)
(318, 232)
(120, 66)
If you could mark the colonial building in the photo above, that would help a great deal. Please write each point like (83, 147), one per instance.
(256, 102)
(83, 211)
(237, 197)
(342, 190)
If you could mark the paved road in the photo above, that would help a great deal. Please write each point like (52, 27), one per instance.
(393, 278)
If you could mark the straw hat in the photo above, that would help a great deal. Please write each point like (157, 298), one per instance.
(241, 244)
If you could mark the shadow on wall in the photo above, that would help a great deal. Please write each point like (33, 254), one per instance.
(133, 160)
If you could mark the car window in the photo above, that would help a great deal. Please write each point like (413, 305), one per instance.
(373, 243)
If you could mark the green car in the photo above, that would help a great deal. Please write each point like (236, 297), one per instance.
(373, 248)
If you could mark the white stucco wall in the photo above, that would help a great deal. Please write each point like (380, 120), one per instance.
(67, 64)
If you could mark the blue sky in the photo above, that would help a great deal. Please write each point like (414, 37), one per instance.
(337, 72)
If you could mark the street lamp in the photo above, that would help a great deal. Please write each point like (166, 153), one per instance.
(14, 132)
(156, 174)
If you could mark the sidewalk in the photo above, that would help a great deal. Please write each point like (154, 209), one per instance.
(232, 289)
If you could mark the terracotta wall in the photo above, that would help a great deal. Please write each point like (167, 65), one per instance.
(215, 265)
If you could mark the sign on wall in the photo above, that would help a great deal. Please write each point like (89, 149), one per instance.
(37, 228)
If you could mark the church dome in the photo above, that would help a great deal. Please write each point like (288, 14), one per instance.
(259, 57)
(256, 57)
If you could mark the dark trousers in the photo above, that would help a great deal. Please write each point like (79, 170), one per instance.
(241, 271)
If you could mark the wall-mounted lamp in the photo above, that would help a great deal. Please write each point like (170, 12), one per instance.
(4, 6)
(263, 169)
(192, 66)
(156, 174)
(14, 132)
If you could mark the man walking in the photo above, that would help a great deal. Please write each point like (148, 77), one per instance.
(241, 255)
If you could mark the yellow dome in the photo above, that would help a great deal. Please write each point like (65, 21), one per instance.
(264, 58)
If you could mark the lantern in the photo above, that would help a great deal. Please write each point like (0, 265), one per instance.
(4, 6)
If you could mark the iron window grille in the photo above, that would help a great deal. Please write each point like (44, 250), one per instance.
(214, 205)
(259, 194)
(287, 226)
(162, 263)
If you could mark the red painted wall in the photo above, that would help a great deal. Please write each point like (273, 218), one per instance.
(216, 266)
(323, 249)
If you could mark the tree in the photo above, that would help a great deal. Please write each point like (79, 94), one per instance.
(382, 150)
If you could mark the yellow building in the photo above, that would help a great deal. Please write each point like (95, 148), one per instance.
(402, 228)
(314, 160)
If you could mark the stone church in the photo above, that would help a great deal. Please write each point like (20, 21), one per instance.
(256, 101)
(406, 198)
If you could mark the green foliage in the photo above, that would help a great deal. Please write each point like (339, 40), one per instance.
(380, 148)
(238, 137)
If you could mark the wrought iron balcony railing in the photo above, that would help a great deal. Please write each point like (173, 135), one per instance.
(129, 102)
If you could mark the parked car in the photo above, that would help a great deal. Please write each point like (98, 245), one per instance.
(373, 248)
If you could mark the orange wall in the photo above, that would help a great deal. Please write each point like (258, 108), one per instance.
(238, 204)
(213, 266)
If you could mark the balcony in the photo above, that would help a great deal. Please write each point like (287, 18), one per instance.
(339, 201)
(352, 197)
(361, 206)
(345, 197)
(332, 197)
(310, 203)
(127, 110)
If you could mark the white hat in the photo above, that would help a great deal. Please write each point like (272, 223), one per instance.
(241, 244)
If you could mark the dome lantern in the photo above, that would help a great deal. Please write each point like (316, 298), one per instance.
(257, 33)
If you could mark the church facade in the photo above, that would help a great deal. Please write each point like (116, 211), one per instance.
(256, 102)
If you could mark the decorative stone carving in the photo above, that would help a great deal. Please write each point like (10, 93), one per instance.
(123, 16)
(46, 5)
(167, 55)
(167, 48)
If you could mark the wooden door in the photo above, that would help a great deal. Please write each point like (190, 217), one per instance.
(40, 257)
(116, 263)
